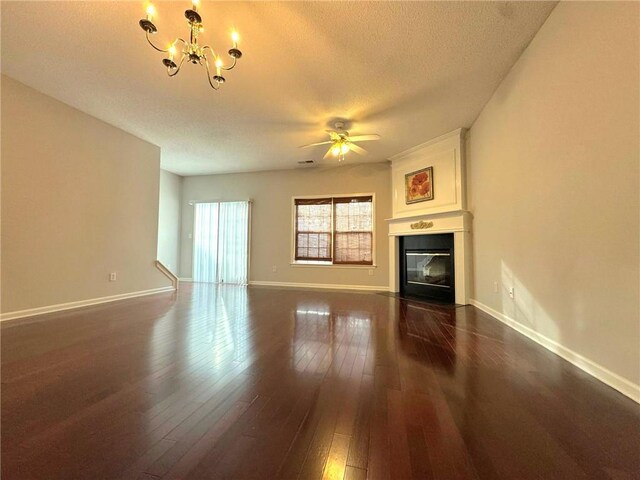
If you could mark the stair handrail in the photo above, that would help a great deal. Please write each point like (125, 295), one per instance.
(175, 281)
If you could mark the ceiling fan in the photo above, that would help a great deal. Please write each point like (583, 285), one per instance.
(341, 143)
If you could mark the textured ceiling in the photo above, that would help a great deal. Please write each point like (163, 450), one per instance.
(409, 71)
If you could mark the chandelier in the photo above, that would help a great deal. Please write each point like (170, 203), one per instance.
(191, 50)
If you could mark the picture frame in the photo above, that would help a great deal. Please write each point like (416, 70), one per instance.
(418, 186)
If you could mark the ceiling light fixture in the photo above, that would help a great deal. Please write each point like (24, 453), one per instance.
(341, 143)
(191, 50)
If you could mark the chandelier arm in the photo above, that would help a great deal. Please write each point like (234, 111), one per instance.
(232, 65)
(177, 69)
(206, 64)
(151, 43)
(184, 42)
(213, 53)
(207, 47)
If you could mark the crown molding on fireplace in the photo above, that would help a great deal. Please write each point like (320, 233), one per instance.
(458, 133)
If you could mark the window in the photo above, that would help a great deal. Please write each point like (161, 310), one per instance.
(336, 230)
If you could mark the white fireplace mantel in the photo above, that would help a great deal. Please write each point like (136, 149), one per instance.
(446, 213)
(446, 222)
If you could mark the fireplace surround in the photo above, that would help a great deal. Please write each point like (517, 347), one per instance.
(457, 226)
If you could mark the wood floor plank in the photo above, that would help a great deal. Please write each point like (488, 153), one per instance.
(359, 445)
(353, 473)
(337, 459)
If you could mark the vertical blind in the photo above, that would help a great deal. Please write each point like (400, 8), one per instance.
(337, 230)
(221, 242)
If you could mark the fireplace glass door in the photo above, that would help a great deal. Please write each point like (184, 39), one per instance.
(428, 268)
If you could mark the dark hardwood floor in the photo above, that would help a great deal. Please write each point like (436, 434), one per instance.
(273, 383)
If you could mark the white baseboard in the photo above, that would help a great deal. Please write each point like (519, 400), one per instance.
(601, 373)
(81, 303)
(330, 286)
(185, 279)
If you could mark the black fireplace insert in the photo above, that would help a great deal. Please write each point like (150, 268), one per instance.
(426, 267)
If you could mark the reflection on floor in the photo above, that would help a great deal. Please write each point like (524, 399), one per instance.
(231, 382)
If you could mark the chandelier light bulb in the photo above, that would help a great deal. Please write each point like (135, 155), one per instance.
(151, 11)
(196, 4)
(336, 150)
(344, 148)
(234, 38)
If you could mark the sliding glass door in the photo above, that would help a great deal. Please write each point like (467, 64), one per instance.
(221, 242)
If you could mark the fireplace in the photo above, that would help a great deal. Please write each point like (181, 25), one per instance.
(427, 266)
(430, 240)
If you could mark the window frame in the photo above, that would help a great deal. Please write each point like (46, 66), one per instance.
(332, 264)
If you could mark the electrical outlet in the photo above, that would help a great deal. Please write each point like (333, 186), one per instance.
(512, 292)
(370, 273)
(495, 287)
(274, 268)
(113, 277)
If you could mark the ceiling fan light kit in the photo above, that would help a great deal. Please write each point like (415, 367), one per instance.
(191, 50)
(342, 143)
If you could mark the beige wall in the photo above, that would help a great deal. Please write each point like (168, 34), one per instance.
(169, 220)
(79, 200)
(553, 163)
(271, 214)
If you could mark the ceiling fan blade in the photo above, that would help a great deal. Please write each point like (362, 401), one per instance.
(316, 144)
(365, 138)
(333, 135)
(357, 149)
(328, 154)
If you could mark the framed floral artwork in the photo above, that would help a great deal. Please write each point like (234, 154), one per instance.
(419, 185)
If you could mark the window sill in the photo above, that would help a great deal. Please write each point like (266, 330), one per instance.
(331, 265)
